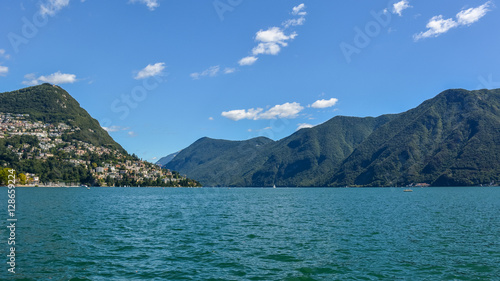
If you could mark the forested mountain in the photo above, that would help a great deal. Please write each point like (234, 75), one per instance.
(452, 139)
(52, 104)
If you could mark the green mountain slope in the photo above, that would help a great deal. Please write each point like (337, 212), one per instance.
(452, 139)
(51, 104)
(216, 162)
(306, 158)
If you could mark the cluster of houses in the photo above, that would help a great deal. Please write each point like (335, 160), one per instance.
(17, 124)
(76, 152)
(137, 170)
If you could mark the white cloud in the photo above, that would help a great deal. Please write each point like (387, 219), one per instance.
(151, 4)
(470, 16)
(273, 35)
(398, 7)
(299, 10)
(286, 110)
(132, 134)
(51, 7)
(247, 60)
(437, 25)
(211, 72)
(3, 70)
(324, 103)
(303, 126)
(210, 118)
(271, 41)
(239, 114)
(266, 48)
(229, 70)
(54, 78)
(294, 22)
(150, 70)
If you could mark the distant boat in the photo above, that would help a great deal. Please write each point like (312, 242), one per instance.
(274, 186)
(408, 190)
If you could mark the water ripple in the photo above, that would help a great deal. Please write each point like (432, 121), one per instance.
(256, 234)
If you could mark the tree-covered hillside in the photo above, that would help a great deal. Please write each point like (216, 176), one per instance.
(452, 139)
(51, 104)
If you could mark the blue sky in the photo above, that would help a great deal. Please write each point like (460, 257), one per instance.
(159, 74)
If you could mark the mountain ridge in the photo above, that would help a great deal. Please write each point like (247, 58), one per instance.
(415, 146)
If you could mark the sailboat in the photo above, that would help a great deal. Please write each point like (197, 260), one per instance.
(274, 186)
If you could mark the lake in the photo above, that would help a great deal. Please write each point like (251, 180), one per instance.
(254, 234)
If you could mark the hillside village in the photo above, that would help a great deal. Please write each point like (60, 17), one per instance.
(108, 167)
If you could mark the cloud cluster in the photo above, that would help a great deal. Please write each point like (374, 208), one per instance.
(286, 110)
(271, 40)
(437, 25)
(54, 78)
(150, 70)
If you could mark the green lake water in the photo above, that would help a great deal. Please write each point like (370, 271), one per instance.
(254, 234)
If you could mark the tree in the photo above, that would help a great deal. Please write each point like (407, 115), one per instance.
(22, 178)
(4, 176)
